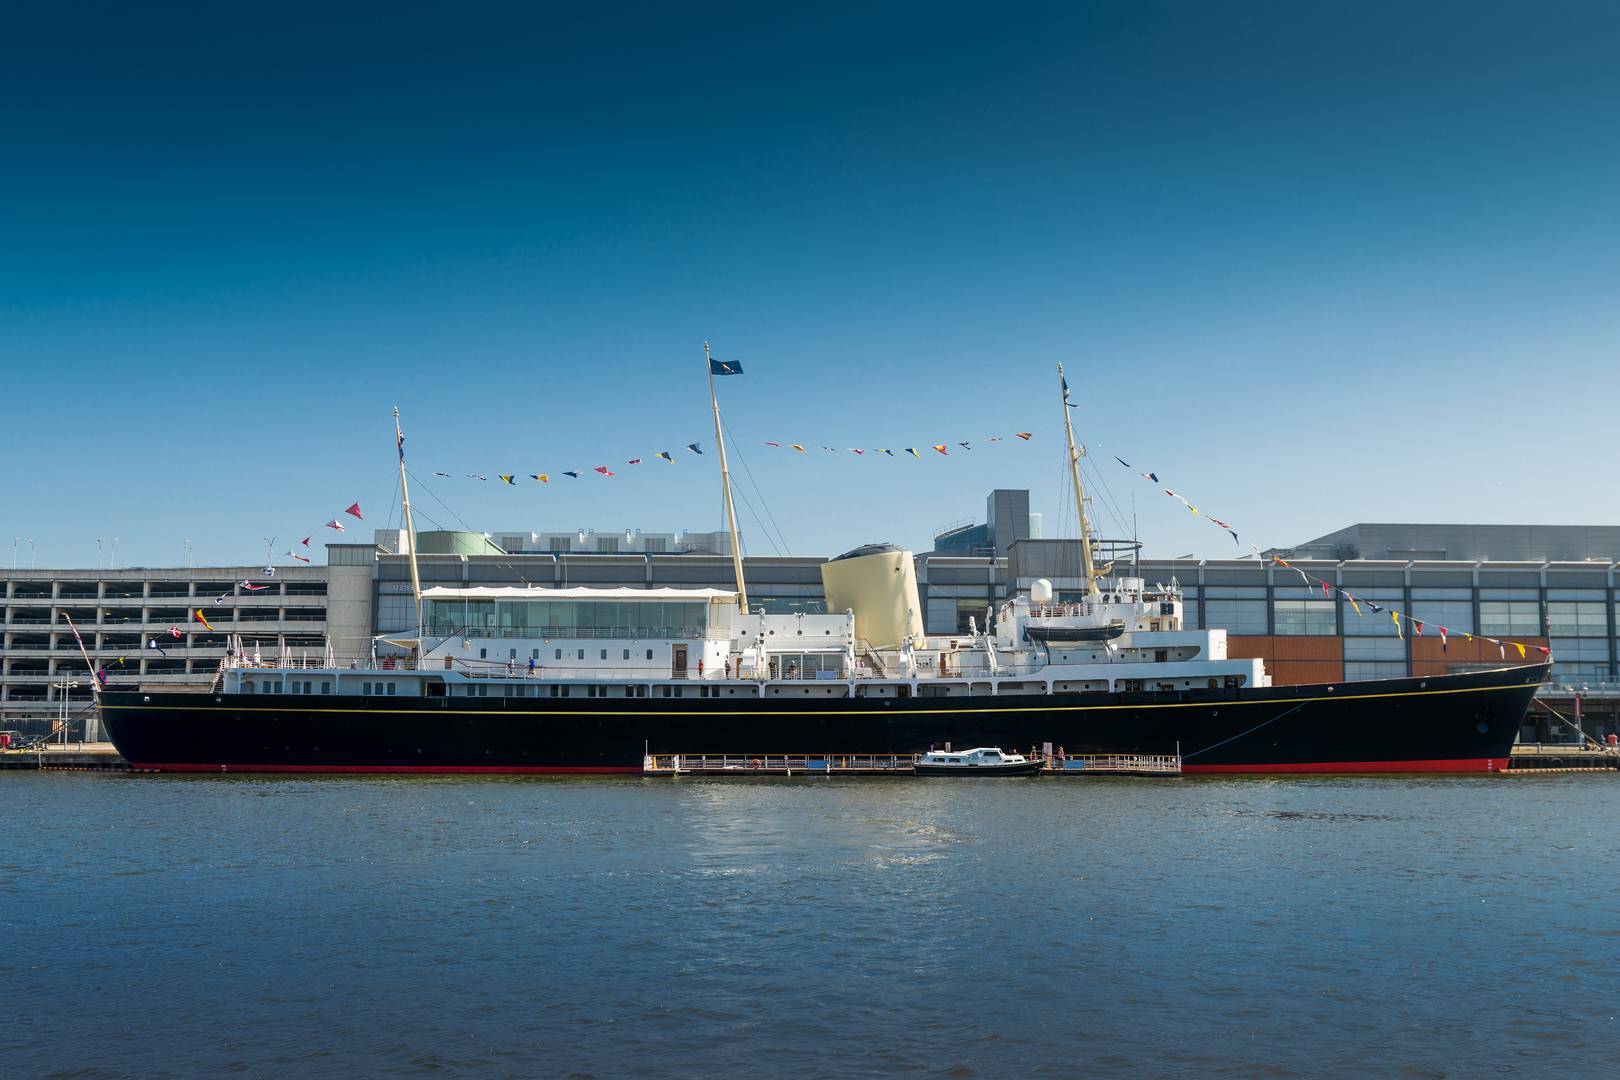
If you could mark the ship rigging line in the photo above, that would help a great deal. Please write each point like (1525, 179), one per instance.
(424, 486)
(1109, 502)
(736, 450)
(1251, 731)
(755, 515)
(394, 504)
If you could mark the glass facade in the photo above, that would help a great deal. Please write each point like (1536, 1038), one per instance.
(1375, 648)
(1457, 616)
(1355, 670)
(1521, 617)
(1237, 616)
(567, 618)
(1302, 617)
(1578, 618)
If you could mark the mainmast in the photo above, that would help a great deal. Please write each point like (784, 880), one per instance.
(1079, 492)
(410, 532)
(725, 484)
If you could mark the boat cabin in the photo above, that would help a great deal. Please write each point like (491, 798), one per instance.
(983, 755)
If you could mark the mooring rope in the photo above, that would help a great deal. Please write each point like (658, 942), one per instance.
(1251, 731)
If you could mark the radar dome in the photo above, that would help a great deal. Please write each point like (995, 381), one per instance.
(1040, 592)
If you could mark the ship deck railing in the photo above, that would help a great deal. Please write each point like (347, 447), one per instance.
(1118, 764)
(890, 764)
(636, 633)
(563, 670)
(778, 764)
(519, 669)
(1587, 688)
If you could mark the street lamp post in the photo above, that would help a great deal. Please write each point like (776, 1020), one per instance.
(33, 551)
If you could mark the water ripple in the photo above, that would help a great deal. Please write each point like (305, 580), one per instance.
(604, 928)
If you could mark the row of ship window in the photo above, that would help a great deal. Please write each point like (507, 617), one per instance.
(312, 686)
(557, 654)
(589, 690)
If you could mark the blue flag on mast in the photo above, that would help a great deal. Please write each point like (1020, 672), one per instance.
(724, 367)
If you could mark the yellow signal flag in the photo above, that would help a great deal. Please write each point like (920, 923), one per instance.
(198, 615)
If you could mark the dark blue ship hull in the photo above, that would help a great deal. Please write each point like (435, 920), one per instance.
(1451, 723)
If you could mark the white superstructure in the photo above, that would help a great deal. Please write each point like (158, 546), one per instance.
(625, 642)
(1119, 637)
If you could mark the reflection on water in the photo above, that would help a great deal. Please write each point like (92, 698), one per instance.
(1356, 926)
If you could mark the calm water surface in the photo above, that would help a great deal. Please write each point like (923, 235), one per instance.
(1303, 927)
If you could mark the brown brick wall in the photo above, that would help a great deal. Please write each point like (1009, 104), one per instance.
(1292, 660)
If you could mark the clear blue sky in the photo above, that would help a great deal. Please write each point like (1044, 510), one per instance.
(1312, 263)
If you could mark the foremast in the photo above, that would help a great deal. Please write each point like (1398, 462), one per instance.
(725, 485)
(1079, 493)
(410, 531)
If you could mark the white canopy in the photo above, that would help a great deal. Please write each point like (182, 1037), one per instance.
(491, 592)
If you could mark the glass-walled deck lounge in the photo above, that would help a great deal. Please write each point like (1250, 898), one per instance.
(566, 618)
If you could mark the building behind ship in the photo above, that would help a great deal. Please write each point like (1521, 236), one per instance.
(1540, 584)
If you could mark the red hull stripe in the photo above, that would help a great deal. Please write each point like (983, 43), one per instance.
(141, 766)
(1435, 765)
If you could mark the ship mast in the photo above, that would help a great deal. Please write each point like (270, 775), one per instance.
(725, 485)
(1079, 492)
(410, 533)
